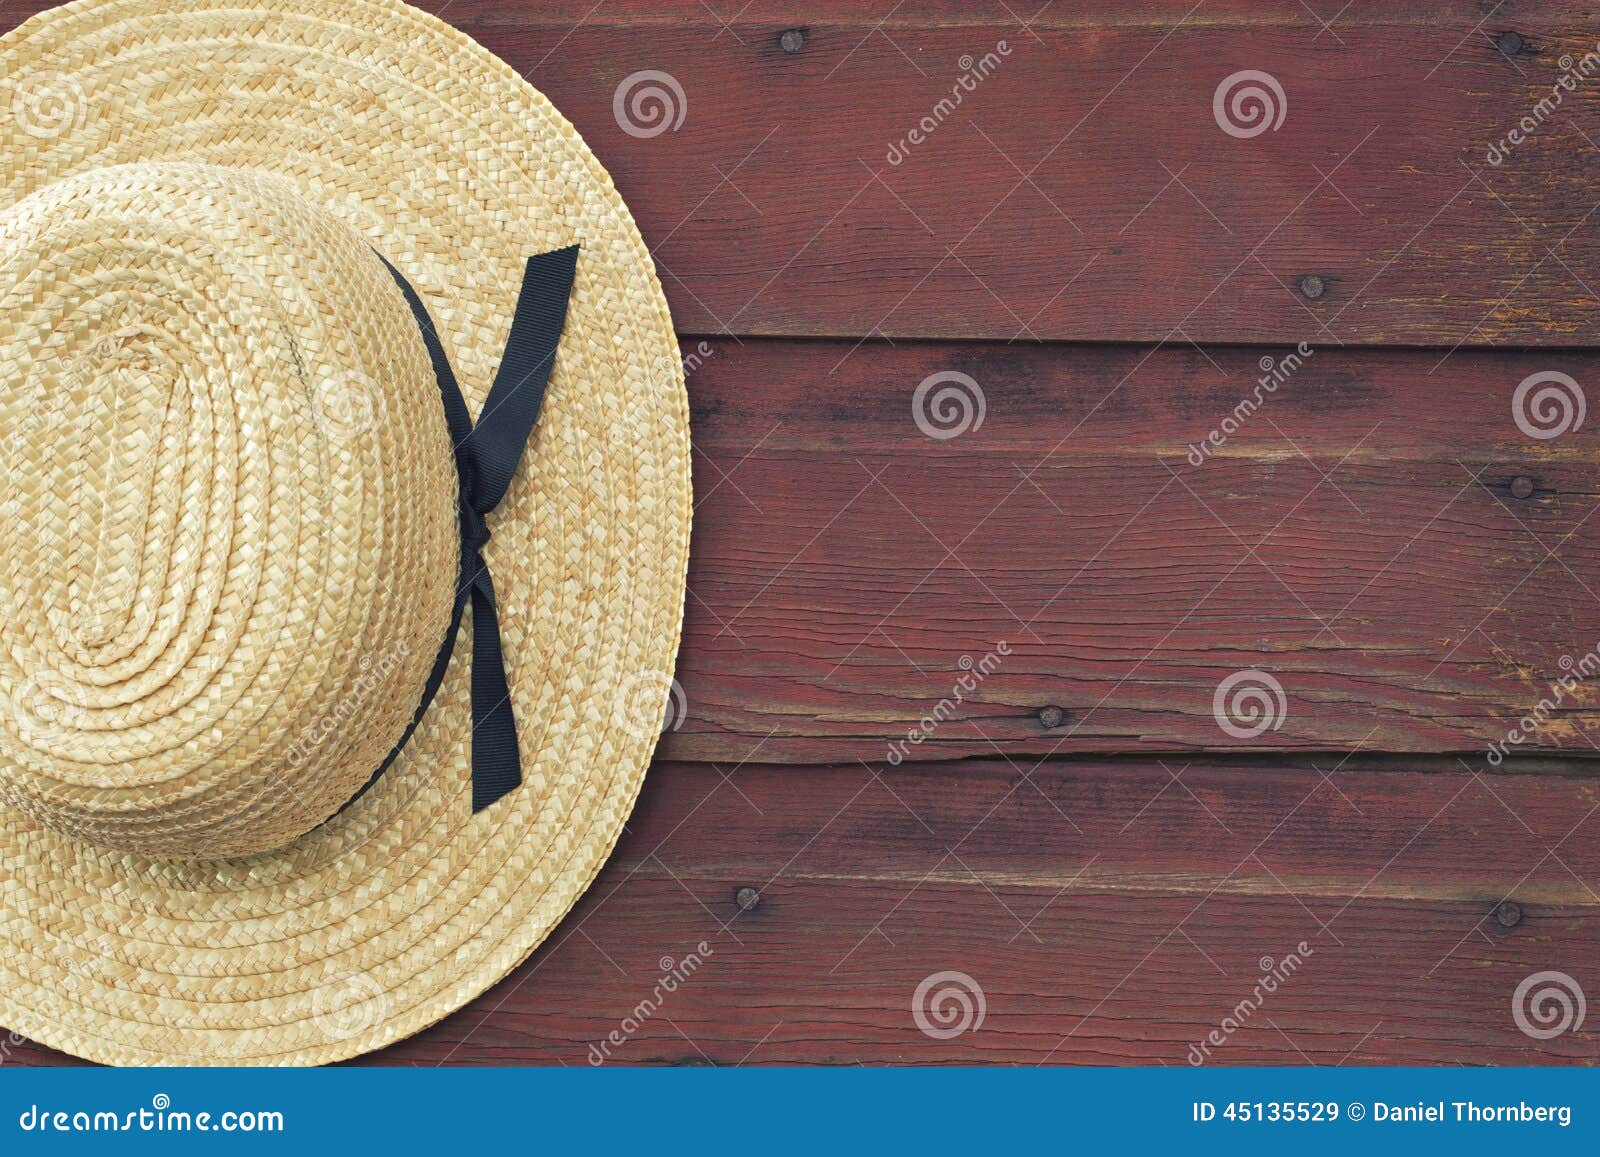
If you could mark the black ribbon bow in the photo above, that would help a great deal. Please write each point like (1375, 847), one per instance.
(487, 454)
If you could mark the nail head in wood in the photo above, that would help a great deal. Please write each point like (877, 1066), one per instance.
(1522, 486)
(792, 40)
(1508, 915)
(1052, 717)
(1509, 43)
(747, 899)
(1313, 286)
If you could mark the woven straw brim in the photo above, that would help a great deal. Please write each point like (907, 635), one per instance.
(404, 907)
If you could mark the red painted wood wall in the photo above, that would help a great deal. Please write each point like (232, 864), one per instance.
(1112, 270)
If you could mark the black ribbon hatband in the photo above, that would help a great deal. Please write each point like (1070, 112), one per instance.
(487, 454)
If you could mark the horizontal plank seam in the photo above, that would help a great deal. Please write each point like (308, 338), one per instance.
(912, 339)
(1049, 21)
(1570, 899)
(1554, 763)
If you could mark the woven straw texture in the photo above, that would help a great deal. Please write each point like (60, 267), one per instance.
(233, 544)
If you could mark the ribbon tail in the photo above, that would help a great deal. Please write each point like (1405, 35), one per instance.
(487, 454)
(496, 760)
(512, 407)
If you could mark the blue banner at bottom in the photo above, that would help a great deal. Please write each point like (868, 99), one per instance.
(798, 1110)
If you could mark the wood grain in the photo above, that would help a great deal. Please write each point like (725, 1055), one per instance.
(1111, 912)
(1108, 913)
(1084, 190)
(1357, 538)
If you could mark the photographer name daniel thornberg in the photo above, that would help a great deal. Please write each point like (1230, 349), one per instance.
(1471, 1113)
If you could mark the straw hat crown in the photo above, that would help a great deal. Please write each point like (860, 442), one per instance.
(232, 455)
(232, 505)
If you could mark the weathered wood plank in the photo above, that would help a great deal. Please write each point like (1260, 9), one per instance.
(1084, 189)
(1110, 911)
(1085, 900)
(1358, 538)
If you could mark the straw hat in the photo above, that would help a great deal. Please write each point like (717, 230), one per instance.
(252, 807)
